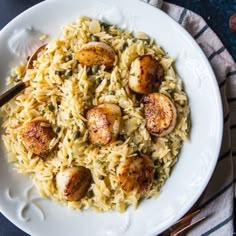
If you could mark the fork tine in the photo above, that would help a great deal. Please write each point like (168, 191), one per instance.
(181, 229)
(187, 217)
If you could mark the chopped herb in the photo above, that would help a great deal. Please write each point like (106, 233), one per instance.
(94, 38)
(43, 112)
(111, 93)
(68, 139)
(132, 74)
(51, 107)
(68, 73)
(156, 164)
(90, 194)
(99, 144)
(89, 71)
(58, 129)
(105, 25)
(146, 41)
(122, 137)
(98, 80)
(156, 175)
(101, 162)
(59, 73)
(77, 135)
(95, 69)
(68, 58)
(125, 45)
(101, 177)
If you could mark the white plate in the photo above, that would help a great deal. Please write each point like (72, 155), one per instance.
(20, 203)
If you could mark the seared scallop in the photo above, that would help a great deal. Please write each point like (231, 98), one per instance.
(73, 183)
(146, 75)
(37, 135)
(136, 174)
(103, 122)
(96, 53)
(160, 114)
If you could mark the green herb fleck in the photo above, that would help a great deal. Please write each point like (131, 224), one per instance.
(156, 175)
(90, 194)
(95, 69)
(98, 80)
(68, 139)
(101, 161)
(58, 129)
(68, 73)
(132, 74)
(94, 38)
(125, 45)
(146, 41)
(68, 58)
(105, 25)
(43, 112)
(51, 107)
(76, 135)
(59, 73)
(89, 71)
(101, 177)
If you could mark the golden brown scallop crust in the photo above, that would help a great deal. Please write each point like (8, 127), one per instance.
(74, 182)
(96, 53)
(160, 114)
(136, 174)
(37, 135)
(146, 75)
(103, 122)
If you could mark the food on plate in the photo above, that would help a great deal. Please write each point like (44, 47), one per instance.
(160, 114)
(37, 135)
(136, 173)
(146, 74)
(96, 53)
(73, 183)
(102, 121)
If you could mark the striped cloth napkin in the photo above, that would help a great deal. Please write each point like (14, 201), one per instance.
(217, 200)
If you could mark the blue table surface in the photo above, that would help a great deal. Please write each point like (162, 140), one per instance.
(215, 12)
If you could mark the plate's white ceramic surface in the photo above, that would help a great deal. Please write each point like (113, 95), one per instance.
(18, 199)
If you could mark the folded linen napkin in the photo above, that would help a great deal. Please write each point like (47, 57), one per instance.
(217, 200)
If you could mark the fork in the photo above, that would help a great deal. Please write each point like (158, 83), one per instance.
(8, 95)
(184, 224)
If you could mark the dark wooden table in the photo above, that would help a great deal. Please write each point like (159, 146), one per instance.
(215, 12)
